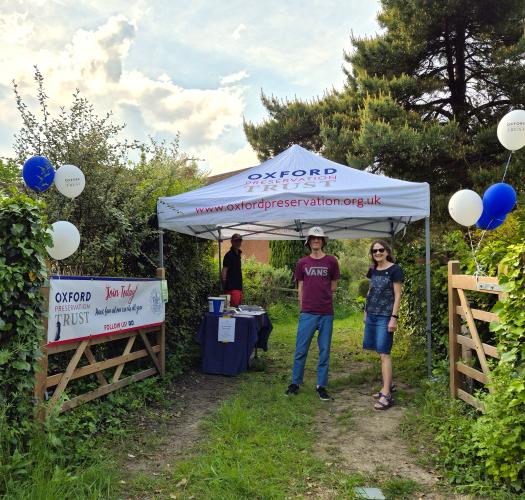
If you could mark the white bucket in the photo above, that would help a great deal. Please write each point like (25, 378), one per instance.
(216, 305)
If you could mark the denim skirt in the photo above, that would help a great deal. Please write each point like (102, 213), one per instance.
(377, 337)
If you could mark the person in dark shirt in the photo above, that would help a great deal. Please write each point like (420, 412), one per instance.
(317, 276)
(381, 312)
(231, 271)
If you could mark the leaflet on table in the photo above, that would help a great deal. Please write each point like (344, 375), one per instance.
(226, 330)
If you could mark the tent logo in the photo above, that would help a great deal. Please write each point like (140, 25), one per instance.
(295, 173)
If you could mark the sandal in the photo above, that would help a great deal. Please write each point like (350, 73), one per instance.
(377, 395)
(384, 406)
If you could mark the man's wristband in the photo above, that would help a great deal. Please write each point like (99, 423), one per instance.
(394, 316)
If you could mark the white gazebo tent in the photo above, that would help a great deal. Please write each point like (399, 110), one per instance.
(283, 197)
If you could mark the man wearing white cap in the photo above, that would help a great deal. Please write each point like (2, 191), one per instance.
(317, 276)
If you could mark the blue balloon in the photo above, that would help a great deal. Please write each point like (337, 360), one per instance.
(489, 222)
(38, 173)
(499, 199)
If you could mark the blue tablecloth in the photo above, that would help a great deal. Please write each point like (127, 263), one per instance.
(232, 358)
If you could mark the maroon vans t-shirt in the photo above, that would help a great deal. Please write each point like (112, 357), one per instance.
(317, 275)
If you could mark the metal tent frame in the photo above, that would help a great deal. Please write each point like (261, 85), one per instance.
(248, 230)
(283, 197)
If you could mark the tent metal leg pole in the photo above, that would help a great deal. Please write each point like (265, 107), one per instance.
(161, 248)
(429, 305)
(220, 261)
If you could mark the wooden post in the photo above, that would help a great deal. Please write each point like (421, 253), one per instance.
(161, 273)
(466, 357)
(454, 328)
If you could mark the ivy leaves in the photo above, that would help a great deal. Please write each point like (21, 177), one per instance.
(23, 236)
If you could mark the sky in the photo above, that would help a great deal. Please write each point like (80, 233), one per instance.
(168, 67)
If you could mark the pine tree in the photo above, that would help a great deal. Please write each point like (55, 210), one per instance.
(422, 98)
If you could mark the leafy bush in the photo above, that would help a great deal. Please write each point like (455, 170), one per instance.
(23, 271)
(263, 284)
(500, 432)
(283, 312)
(9, 175)
(479, 451)
(116, 216)
(284, 254)
(412, 321)
(287, 253)
(191, 276)
(362, 288)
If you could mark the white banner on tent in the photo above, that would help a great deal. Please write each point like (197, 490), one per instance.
(282, 197)
(81, 307)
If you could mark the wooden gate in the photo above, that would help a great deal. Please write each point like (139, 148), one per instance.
(153, 347)
(463, 332)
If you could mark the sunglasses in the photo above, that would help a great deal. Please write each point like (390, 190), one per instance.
(378, 250)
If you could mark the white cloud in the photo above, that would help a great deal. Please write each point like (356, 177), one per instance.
(234, 77)
(300, 42)
(171, 66)
(216, 160)
(15, 28)
(95, 62)
(237, 33)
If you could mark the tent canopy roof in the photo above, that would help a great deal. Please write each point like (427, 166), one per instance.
(283, 197)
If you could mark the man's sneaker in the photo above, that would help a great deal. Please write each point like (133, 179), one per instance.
(323, 394)
(292, 389)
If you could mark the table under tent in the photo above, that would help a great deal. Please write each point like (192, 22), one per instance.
(283, 197)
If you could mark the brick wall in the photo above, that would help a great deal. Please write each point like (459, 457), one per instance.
(250, 248)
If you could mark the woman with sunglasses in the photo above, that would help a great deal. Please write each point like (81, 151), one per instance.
(381, 312)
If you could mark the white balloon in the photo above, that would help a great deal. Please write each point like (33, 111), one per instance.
(511, 130)
(70, 180)
(465, 207)
(66, 239)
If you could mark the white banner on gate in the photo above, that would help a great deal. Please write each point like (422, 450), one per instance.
(81, 307)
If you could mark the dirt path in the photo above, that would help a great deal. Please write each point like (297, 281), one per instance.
(367, 441)
(173, 429)
(360, 440)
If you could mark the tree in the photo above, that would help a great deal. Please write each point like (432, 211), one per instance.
(462, 59)
(422, 98)
(103, 213)
(116, 213)
(10, 174)
(286, 253)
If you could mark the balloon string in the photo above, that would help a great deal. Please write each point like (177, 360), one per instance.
(479, 269)
(507, 166)
(483, 235)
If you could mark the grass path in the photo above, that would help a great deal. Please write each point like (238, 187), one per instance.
(232, 438)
